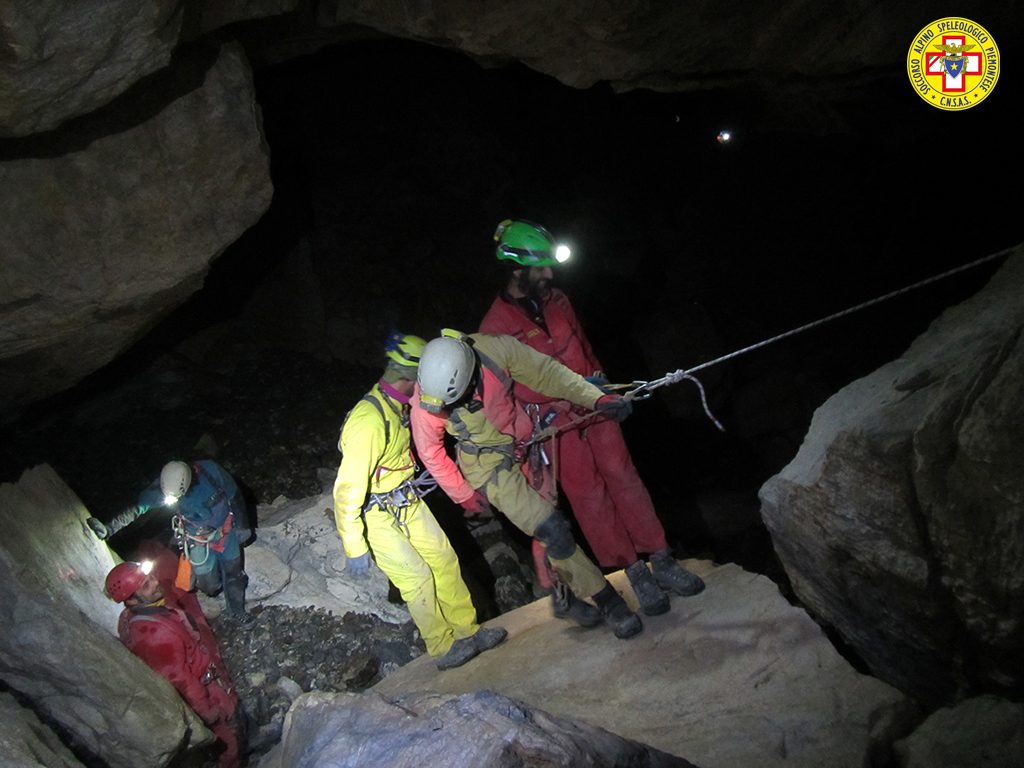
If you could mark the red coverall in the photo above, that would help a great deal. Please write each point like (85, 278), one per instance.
(177, 643)
(608, 498)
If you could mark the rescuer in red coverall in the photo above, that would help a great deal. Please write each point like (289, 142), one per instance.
(608, 498)
(166, 628)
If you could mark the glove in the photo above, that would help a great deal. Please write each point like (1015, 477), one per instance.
(124, 519)
(615, 407)
(98, 528)
(599, 380)
(359, 567)
(476, 506)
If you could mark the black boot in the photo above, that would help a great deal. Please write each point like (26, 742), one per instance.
(567, 606)
(653, 602)
(485, 639)
(462, 650)
(672, 576)
(235, 582)
(616, 613)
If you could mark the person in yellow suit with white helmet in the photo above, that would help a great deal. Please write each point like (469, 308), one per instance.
(378, 498)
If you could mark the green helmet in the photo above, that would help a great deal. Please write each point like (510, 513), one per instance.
(528, 244)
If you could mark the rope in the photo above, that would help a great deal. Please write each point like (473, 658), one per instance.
(642, 389)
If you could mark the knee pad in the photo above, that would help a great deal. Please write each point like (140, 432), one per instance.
(556, 534)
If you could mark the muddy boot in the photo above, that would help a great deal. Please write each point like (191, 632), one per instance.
(461, 651)
(235, 582)
(672, 576)
(653, 602)
(485, 639)
(616, 613)
(567, 606)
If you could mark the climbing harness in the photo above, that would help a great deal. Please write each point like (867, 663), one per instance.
(641, 390)
(402, 496)
(203, 537)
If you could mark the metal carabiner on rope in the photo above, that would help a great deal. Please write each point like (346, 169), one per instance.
(644, 389)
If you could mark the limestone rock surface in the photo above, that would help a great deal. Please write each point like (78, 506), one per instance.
(101, 242)
(296, 560)
(900, 519)
(474, 730)
(662, 46)
(26, 743)
(732, 677)
(63, 59)
(58, 648)
(980, 732)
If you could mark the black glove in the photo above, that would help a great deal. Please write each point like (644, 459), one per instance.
(124, 519)
(615, 407)
(98, 528)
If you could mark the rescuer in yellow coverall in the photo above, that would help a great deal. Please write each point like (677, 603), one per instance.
(377, 493)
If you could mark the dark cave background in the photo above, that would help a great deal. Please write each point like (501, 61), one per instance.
(392, 163)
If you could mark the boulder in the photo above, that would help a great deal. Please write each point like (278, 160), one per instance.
(27, 743)
(729, 678)
(474, 730)
(296, 560)
(59, 650)
(899, 520)
(103, 241)
(65, 59)
(982, 732)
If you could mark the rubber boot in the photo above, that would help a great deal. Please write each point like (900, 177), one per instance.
(616, 613)
(567, 606)
(485, 639)
(235, 582)
(462, 650)
(672, 576)
(653, 602)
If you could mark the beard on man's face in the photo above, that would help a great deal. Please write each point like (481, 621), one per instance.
(535, 288)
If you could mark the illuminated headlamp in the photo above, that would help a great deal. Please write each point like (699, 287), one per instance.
(146, 566)
(170, 501)
(562, 254)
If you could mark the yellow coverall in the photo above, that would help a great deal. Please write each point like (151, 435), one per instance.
(408, 544)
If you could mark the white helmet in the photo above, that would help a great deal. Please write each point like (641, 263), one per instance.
(446, 371)
(175, 478)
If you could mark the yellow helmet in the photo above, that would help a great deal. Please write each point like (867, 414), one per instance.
(405, 349)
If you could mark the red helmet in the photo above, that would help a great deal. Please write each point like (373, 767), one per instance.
(124, 580)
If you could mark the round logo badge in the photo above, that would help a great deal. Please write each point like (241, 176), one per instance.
(953, 63)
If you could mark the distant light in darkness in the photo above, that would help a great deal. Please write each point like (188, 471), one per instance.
(724, 137)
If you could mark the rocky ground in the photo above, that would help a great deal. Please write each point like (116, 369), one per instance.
(271, 417)
(283, 652)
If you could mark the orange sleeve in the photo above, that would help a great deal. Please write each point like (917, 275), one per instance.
(428, 435)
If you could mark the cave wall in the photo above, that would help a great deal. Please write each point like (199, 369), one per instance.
(78, 678)
(103, 241)
(899, 520)
(109, 237)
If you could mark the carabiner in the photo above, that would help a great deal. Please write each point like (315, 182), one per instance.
(640, 390)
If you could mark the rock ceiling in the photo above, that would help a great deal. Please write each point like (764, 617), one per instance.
(123, 173)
